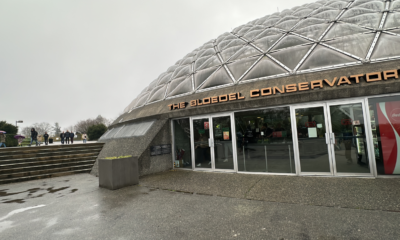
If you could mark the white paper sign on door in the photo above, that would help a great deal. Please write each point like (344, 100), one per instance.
(312, 132)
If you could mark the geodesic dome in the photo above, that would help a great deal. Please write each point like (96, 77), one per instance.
(313, 37)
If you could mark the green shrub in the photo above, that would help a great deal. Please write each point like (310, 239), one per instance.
(96, 131)
(11, 131)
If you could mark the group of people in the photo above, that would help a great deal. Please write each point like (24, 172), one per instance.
(69, 136)
(35, 137)
(38, 139)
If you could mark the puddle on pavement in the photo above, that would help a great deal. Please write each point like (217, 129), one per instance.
(52, 190)
(31, 194)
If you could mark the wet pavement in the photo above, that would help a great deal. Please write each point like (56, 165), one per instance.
(74, 207)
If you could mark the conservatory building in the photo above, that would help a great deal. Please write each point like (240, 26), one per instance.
(312, 90)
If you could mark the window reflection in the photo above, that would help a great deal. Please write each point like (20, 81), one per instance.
(264, 141)
(182, 143)
(385, 125)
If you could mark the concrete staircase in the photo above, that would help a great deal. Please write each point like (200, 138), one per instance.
(28, 163)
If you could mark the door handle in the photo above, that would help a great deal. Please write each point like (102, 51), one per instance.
(210, 142)
(327, 138)
(333, 138)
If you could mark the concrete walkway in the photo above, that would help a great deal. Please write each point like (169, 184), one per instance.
(211, 206)
(357, 193)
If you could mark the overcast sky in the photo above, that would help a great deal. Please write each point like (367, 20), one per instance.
(69, 60)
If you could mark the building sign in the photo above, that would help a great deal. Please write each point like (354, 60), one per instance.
(289, 88)
(305, 86)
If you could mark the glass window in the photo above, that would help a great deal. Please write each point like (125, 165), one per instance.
(385, 125)
(182, 146)
(264, 141)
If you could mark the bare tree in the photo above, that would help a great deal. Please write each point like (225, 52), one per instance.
(83, 125)
(56, 129)
(43, 127)
(26, 131)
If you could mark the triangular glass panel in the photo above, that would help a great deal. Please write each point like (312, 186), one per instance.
(287, 23)
(142, 100)
(267, 33)
(387, 46)
(357, 44)
(286, 12)
(310, 22)
(243, 31)
(325, 57)
(392, 20)
(343, 29)
(290, 57)
(239, 67)
(229, 37)
(362, 17)
(270, 22)
(235, 42)
(327, 15)
(186, 61)
(172, 68)
(201, 76)
(205, 52)
(153, 84)
(290, 41)
(373, 5)
(247, 51)
(261, 20)
(222, 36)
(302, 12)
(207, 46)
(323, 9)
(252, 34)
(180, 86)
(395, 6)
(212, 61)
(201, 61)
(266, 42)
(313, 31)
(165, 78)
(264, 68)
(182, 71)
(229, 52)
(158, 94)
(218, 78)
(338, 4)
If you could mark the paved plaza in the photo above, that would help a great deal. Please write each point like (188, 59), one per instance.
(199, 205)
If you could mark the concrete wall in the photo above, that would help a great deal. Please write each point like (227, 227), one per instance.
(159, 133)
(152, 164)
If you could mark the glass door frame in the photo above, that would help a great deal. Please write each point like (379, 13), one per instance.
(296, 141)
(328, 137)
(211, 139)
(367, 125)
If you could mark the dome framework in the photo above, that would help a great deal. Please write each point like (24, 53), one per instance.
(295, 41)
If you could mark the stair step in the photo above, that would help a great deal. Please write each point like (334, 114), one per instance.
(18, 169)
(49, 175)
(12, 151)
(35, 162)
(45, 154)
(49, 158)
(47, 171)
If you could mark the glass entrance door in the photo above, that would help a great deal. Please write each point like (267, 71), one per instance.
(212, 143)
(312, 144)
(331, 139)
(348, 141)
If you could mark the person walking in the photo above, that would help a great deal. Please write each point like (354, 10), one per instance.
(67, 137)
(34, 136)
(84, 137)
(46, 138)
(71, 136)
(2, 139)
(40, 139)
(62, 136)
